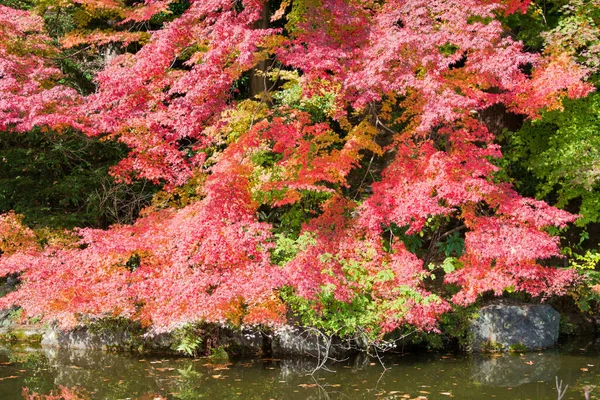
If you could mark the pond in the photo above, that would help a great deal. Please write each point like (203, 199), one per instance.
(26, 371)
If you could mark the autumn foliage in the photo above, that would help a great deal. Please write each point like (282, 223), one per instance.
(374, 134)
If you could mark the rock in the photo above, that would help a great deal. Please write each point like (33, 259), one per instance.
(243, 342)
(22, 333)
(86, 339)
(9, 284)
(286, 341)
(504, 327)
(6, 316)
(103, 337)
(289, 340)
(297, 341)
(161, 343)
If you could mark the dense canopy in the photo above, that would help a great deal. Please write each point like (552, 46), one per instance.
(313, 155)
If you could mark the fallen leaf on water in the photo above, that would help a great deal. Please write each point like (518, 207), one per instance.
(9, 377)
(529, 362)
(216, 367)
(584, 369)
(447, 394)
(248, 364)
(307, 385)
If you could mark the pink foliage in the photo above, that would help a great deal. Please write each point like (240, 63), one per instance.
(211, 260)
(29, 93)
(151, 106)
(203, 262)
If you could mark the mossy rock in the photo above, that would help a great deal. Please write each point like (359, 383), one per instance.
(526, 327)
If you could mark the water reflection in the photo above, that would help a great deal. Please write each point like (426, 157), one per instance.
(512, 370)
(101, 375)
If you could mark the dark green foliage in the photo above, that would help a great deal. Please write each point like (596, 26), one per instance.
(175, 10)
(61, 180)
(77, 75)
(289, 219)
(557, 158)
(19, 4)
(448, 49)
(454, 332)
(529, 27)
(133, 263)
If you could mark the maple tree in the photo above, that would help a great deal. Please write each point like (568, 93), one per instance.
(309, 193)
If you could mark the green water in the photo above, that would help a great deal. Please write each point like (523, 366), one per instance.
(101, 375)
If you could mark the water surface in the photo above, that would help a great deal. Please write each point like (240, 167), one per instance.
(426, 375)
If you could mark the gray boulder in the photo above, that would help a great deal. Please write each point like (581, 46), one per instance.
(85, 339)
(234, 342)
(504, 327)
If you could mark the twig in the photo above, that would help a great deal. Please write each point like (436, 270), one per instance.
(559, 389)
(364, 177)
(451, 231)
(380, 360)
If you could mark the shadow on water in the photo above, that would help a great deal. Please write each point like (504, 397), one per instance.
(103, 375)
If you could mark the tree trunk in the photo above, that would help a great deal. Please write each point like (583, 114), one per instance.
(258, 82)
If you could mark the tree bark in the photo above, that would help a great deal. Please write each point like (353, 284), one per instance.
(258, 82)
